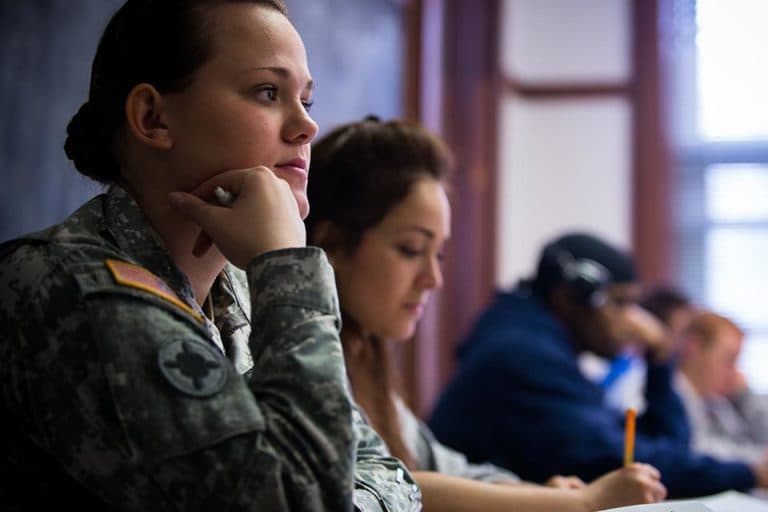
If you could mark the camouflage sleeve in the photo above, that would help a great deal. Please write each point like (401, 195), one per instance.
(124, 392)
(381, 483)
(299, 365)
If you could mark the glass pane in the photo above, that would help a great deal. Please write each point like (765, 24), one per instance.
(732, 78)
(752, 361)
(737, 192)
(737, 274)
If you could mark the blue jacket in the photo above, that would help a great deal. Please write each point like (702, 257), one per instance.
(519, 400)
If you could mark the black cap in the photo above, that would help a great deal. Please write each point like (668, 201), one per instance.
(581, 247)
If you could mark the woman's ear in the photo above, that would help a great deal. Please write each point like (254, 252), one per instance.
(146, 117)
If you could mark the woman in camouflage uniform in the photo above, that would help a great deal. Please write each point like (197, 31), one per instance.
(381, 212)
(161, 351)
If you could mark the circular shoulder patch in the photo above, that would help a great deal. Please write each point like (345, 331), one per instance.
(193, 368)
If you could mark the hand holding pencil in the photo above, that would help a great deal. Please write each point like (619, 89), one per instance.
(633, 483)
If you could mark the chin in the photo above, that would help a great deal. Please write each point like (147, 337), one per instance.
(395, 331)
(303, 203)
(405, 334)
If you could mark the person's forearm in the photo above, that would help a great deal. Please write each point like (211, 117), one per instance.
(445, 493)
(298, 377)
(665, 414)
(299, 381)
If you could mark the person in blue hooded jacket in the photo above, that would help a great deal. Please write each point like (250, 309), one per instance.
(518, 398)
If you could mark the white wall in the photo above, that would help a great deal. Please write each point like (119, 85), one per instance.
(564, 163)
(568, 40)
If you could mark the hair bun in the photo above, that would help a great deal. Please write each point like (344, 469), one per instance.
(78, 132)
(372, 117)
(87, 148)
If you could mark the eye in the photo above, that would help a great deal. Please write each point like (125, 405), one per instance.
(267, 92)
(308, 104)
(408, 252)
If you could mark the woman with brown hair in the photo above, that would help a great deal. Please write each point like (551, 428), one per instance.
(380, 210)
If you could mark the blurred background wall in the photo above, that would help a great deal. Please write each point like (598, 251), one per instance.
(46, 48)
(565, 111)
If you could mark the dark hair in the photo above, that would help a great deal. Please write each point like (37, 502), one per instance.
(663, 300)
(359, 172)
(159, 42)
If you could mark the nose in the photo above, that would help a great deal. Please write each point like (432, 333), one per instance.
(299, 128)
(432, 277)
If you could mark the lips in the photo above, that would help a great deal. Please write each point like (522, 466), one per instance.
(297, 164)
(293, 171)
(416, 308)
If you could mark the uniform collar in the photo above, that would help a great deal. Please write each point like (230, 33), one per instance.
(136, 238)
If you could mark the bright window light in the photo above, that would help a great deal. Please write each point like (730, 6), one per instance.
(732, 73)
(737, 275)
(737, 192)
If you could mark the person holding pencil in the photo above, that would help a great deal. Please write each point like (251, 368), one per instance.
(380, 211)
(518, 381)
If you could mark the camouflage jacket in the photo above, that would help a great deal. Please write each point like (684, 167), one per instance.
(120, 393)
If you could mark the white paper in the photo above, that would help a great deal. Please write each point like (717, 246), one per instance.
(733, 501)
(665, 506)
(730, 501)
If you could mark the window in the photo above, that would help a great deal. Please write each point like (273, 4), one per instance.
(720, 116)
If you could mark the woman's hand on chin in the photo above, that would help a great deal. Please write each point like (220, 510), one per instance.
(263, 215)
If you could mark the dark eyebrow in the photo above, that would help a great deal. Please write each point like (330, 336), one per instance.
(424, 231)
(282, 73)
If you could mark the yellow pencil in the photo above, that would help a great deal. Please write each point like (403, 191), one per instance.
(629, 437)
